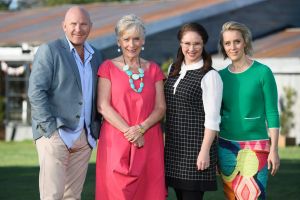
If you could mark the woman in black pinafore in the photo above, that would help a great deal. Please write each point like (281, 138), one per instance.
(193, 95)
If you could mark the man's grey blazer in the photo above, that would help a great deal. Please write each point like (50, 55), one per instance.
(55, 92)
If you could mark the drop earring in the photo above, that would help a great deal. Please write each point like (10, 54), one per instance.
(119, 50)
(143, 48)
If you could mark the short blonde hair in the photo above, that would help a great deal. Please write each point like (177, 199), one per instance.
(128, 22)
(243, 29)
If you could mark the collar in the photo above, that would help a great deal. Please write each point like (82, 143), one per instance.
(184, 69)
(87, 47)
(193, 66)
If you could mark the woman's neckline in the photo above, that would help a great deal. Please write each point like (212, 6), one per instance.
(120, 69)
(245, 70)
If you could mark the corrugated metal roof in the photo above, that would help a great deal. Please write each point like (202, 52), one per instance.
(44, 24)
(285, 43)
(40, 25)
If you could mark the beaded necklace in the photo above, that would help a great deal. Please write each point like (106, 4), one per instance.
(133, 77)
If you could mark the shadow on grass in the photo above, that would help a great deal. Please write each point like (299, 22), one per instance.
(18, 183)
(21, 183)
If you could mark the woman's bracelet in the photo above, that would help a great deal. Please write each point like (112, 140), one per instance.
(141, 129)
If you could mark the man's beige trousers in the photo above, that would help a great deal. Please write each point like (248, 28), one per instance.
(62, 170)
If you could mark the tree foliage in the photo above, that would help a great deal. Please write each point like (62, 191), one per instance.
(287, 113)
(165, 65)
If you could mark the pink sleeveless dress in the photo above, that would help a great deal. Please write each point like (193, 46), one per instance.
(123, 171)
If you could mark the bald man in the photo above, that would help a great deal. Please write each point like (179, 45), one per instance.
(62, 93)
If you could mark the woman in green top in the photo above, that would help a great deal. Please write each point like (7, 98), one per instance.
(248, 143)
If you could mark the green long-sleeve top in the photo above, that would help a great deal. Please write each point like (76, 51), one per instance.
(249, 104)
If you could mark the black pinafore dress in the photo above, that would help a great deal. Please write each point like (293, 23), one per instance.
(184, 132)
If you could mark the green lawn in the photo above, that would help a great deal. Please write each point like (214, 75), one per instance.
(19, 175)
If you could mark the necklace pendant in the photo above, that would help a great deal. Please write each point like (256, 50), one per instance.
(135, 76)
(132, 86)
(129, 73)
(141, 71)
(125, 67)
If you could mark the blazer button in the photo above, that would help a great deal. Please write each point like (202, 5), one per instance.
(80, 103)
(77, 116)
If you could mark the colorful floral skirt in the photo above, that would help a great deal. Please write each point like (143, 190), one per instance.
(244, 168)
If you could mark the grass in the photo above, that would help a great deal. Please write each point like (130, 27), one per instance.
(19, 175)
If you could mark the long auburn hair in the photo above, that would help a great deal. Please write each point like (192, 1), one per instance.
(192, 27)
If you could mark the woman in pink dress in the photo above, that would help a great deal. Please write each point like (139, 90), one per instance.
(130, 162)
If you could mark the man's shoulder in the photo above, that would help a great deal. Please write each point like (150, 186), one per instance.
(93, 47)
(52, 46)
(97, 53)
(55, 43)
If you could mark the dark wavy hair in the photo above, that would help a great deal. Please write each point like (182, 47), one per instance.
(192, 27)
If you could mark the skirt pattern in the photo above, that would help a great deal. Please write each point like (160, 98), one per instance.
(244, 168)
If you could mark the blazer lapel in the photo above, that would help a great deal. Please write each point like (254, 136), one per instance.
(95, 71)
(72, 62)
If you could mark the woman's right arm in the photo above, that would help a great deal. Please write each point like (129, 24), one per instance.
(104, 107)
